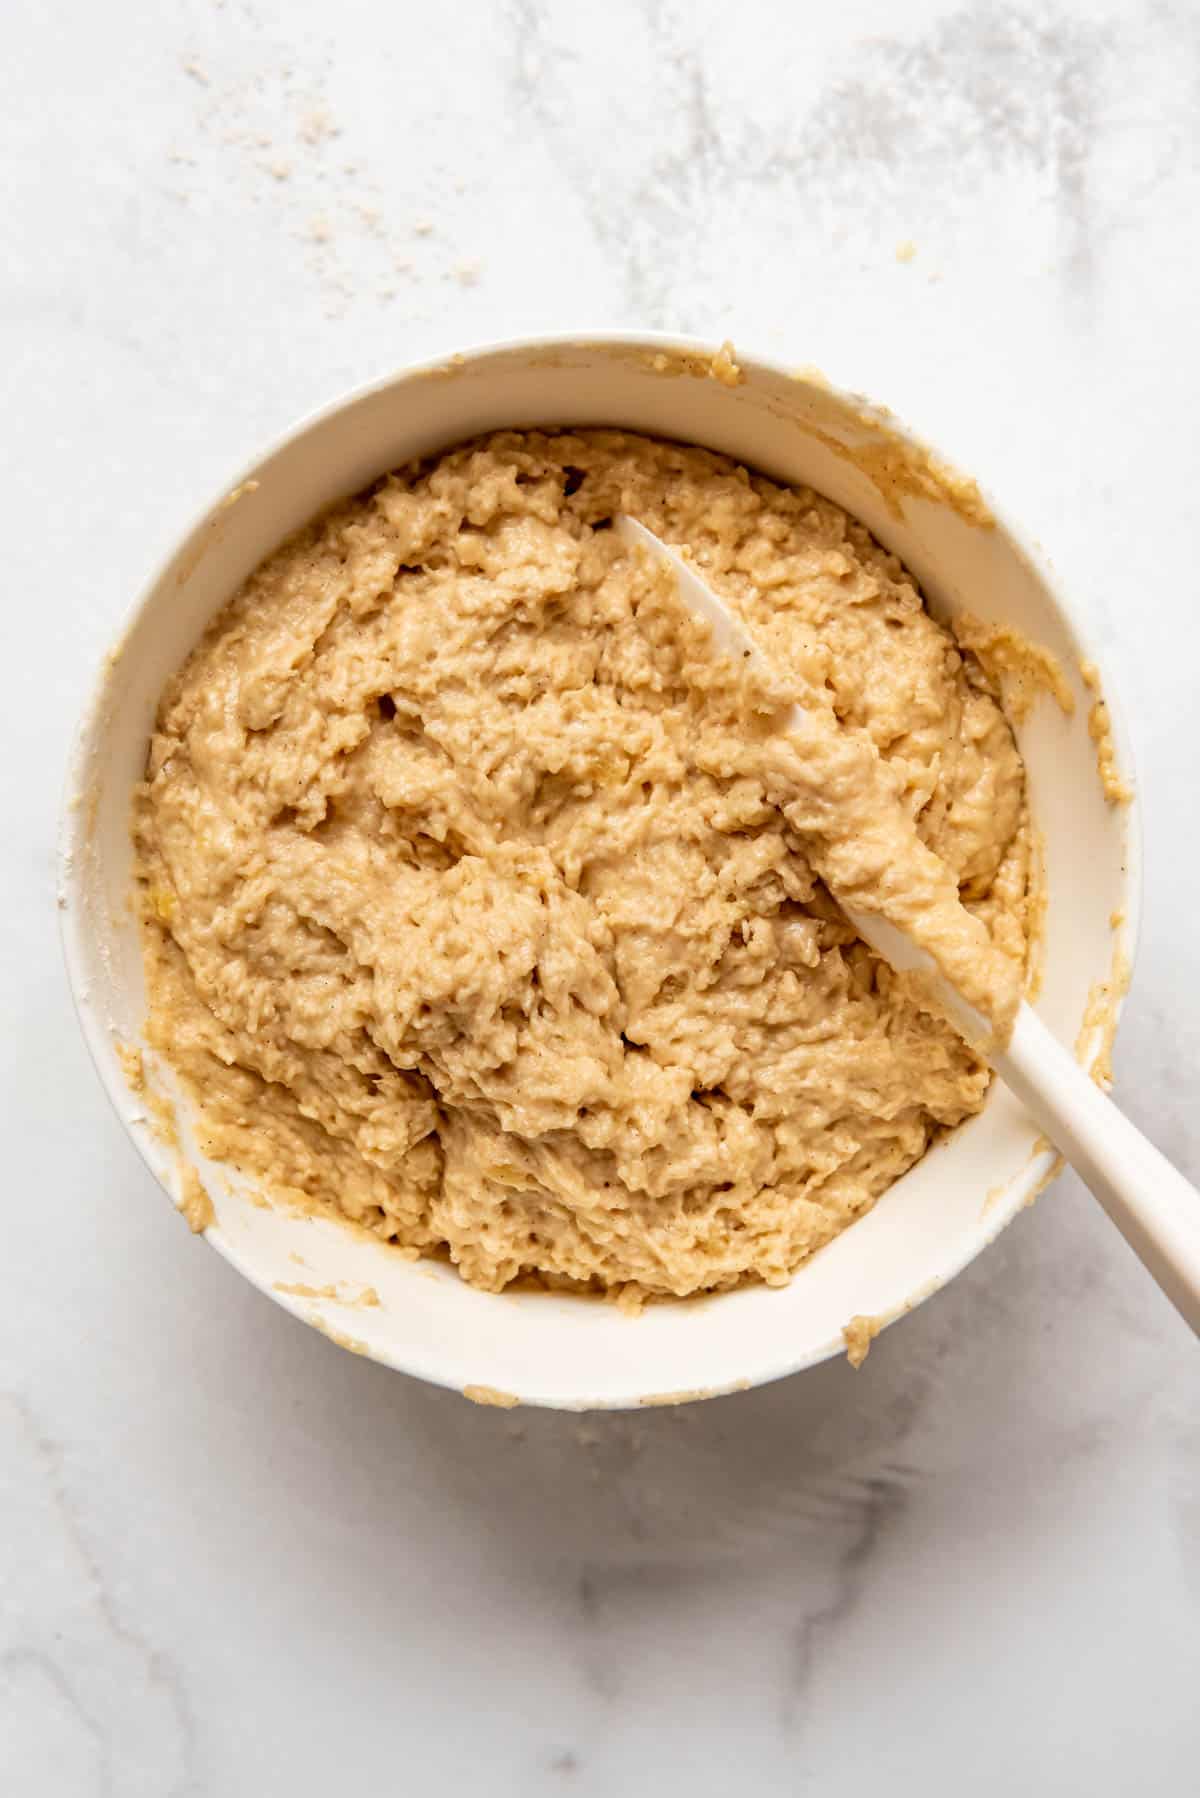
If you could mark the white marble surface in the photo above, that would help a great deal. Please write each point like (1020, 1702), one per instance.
(237, 1561)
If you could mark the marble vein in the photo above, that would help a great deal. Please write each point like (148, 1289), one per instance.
(64, 1628)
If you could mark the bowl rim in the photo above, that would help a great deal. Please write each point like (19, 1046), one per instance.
(72, 831)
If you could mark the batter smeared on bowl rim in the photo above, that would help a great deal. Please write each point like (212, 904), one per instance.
(476, 901)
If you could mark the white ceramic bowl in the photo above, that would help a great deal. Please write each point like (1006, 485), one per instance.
(559, 1350)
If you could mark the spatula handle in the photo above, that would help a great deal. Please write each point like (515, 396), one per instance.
(1154, 1207)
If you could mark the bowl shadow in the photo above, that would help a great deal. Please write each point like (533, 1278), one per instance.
(829, 1453)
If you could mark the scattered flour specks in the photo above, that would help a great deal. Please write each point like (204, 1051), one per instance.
(275, 134)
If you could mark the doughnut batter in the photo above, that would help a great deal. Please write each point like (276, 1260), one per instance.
(481, 904)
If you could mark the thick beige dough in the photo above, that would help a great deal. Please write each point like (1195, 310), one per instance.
(481, 903)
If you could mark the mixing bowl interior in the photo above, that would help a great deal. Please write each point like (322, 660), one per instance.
(559, 1350)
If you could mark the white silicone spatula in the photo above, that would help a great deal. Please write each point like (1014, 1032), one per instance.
(1154, 1207)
